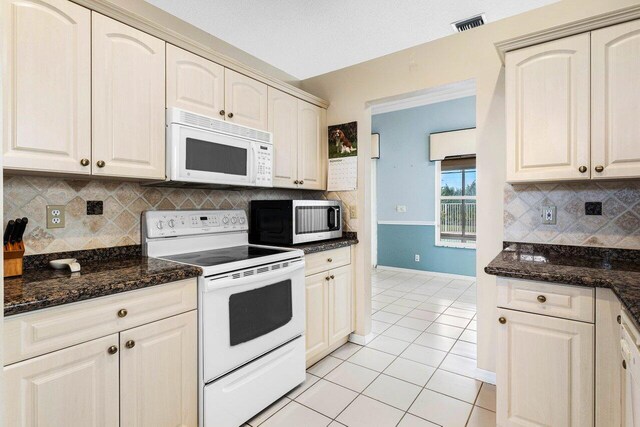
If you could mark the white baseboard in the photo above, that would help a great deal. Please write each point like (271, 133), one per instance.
(361, 339)
(427, 273)
(486, 376)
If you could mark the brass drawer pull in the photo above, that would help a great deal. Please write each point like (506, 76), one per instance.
(130, 344)
(502, 320)
(542, 298)
(582, 169)
(122, 312)
(599, 168)
(330, 260)
(301, 182)
(230, 115)
(327, 278)
(84, 162)
(222, 112)
(332, 277)
(112, 350)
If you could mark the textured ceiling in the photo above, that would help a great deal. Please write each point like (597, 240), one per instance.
(306, 38)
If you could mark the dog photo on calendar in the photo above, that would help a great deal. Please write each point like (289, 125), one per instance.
(343, 140)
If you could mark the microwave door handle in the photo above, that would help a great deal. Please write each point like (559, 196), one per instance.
(333, 218)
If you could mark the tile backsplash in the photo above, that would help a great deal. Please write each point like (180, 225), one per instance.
(617, 227)
(123, 202)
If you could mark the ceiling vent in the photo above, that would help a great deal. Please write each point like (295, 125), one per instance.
(469, 23)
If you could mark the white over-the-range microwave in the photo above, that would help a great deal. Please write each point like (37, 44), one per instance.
(207, 152)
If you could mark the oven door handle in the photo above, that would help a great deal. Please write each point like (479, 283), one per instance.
(225, 282)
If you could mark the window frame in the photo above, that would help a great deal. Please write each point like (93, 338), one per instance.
(438, 191)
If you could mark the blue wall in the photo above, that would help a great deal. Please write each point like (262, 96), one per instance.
(405, 176)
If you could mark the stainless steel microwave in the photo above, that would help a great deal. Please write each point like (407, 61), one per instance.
(290, 222)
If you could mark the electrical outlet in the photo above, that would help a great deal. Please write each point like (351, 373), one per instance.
(55, 216)
(417, 258)
(549, 215)
(401, 208)
(353, 212)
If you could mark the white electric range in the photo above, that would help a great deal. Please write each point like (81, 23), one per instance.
(250, 309)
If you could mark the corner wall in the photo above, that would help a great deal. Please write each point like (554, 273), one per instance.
(468, 55)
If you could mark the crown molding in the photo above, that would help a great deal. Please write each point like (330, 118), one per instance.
(565, 30)
(149, 26)
(434, 95)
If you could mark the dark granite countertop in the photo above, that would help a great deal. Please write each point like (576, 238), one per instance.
(41, 286)
(616, 269)
(347, 239)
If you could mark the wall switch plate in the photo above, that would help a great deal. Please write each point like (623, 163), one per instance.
(549, 215)
(55, 216)
(417, 258)
(401, 208)
(593, 208)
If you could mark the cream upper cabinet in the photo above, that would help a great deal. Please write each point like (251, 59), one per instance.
(547, 103)
(245, 100)
(283, 124)
(128, 101)
(194, 84)
(312, 146)
(340, 291)
(317, 306)
(74, 387)
(47, 85)
(615, 104)
(159, 373)
(545, 368)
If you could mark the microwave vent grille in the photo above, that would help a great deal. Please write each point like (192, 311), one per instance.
(225, 127)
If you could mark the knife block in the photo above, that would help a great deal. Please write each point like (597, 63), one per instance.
(13, 254)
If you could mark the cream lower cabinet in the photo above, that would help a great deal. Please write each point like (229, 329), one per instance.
(142, 373)
(329, 301)
(46, 107)
(546, 353)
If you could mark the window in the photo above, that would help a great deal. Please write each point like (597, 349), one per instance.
(456, 203)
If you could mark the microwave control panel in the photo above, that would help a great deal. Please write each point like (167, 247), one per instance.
(186, 223)
(264, 163)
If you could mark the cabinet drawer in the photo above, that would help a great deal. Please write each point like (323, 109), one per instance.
(51, 329)
(323, 261)
(566, 301)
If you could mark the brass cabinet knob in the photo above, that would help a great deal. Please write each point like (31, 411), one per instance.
(122, 312)
(502, 320)
(301, 182)
(327, 278)
(582, 169)
(100, 163)
(542, 298)
(599, 168)
(296, 182)
(222, 112)
(130, 344)
(332, 277)
(84, 162)
(330, 260)
(230, 115)
(112, 350)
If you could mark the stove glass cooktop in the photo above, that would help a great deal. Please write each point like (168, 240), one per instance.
(222, 256)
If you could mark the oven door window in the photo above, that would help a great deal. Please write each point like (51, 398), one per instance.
(257, 312)
(208, 156)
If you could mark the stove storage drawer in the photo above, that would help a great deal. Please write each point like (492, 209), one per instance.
(548, 299)
(326, 260)
(42, 331)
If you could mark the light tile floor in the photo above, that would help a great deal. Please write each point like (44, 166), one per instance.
(418, 370)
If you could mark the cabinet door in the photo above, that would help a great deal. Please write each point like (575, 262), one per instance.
(159, 371)
(46, 85)
(128, 101)
(283, 123)
(615, 84)
(194, 84)
(545, 368)
(317, 306)
(340, 304)
(74, 387)
(547, 102)
(245, 100)
(312, 146)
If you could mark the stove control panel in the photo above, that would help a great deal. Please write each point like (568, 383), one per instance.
(190, 223)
